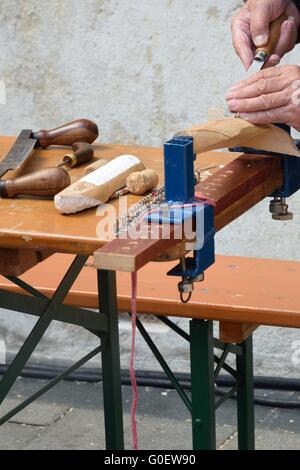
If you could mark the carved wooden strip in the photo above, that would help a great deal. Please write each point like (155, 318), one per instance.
(235, 132)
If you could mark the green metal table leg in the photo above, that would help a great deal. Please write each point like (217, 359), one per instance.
(245, 397)
(111, 369)
(203, 383)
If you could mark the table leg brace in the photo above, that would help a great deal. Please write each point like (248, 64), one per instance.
(40, 328)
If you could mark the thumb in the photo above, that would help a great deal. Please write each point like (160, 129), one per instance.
(261, 17)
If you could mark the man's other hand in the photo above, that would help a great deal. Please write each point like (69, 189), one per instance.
(270, 95)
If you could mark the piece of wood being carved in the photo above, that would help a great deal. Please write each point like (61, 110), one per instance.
(235, 132)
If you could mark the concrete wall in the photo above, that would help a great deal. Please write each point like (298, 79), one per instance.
(142, 70)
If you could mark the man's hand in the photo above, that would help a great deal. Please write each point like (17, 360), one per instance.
(271, 95)
(250, 29)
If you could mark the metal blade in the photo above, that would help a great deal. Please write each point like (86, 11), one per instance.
(256, 66)
(19, 152)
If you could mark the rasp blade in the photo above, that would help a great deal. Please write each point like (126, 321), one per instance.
(19, 152)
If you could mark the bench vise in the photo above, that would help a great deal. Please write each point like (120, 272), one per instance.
(183, 209)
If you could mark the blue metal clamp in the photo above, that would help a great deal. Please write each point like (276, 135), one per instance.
(291, 177)
(181, 206)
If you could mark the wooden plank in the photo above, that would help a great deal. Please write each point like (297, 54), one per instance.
(235, 188)
(235, 290)
(130, 255)
(241, 185)
(235, 333)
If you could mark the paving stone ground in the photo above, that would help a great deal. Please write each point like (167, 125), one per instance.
(71, 417)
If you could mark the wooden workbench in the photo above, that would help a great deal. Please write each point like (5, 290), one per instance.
(34, 223)
(33, 226)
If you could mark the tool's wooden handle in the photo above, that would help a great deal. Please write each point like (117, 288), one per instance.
(275, 29)
(44, 183)
(83, 153)
(82, 130)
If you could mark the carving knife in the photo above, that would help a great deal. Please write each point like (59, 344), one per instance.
(263, 53)
(81, 130)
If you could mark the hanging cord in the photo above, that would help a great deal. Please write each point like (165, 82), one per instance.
(202, 200)
(132, 357)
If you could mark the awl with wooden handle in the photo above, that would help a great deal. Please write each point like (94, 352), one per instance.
(263, 53)
(82, 153)
(82, 130)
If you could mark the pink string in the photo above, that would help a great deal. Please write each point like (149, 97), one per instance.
(205, 200)
(132, 370)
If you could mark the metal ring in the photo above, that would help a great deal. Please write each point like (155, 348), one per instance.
(183, 300)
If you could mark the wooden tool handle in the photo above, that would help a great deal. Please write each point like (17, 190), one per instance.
(83, 153)
(43, 183)
(275, 29)
(82, 130)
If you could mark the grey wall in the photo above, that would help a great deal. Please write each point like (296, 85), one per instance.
(142, 70)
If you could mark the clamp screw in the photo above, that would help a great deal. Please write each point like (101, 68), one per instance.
(283, 217)
(186, 287)
(279, 209)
